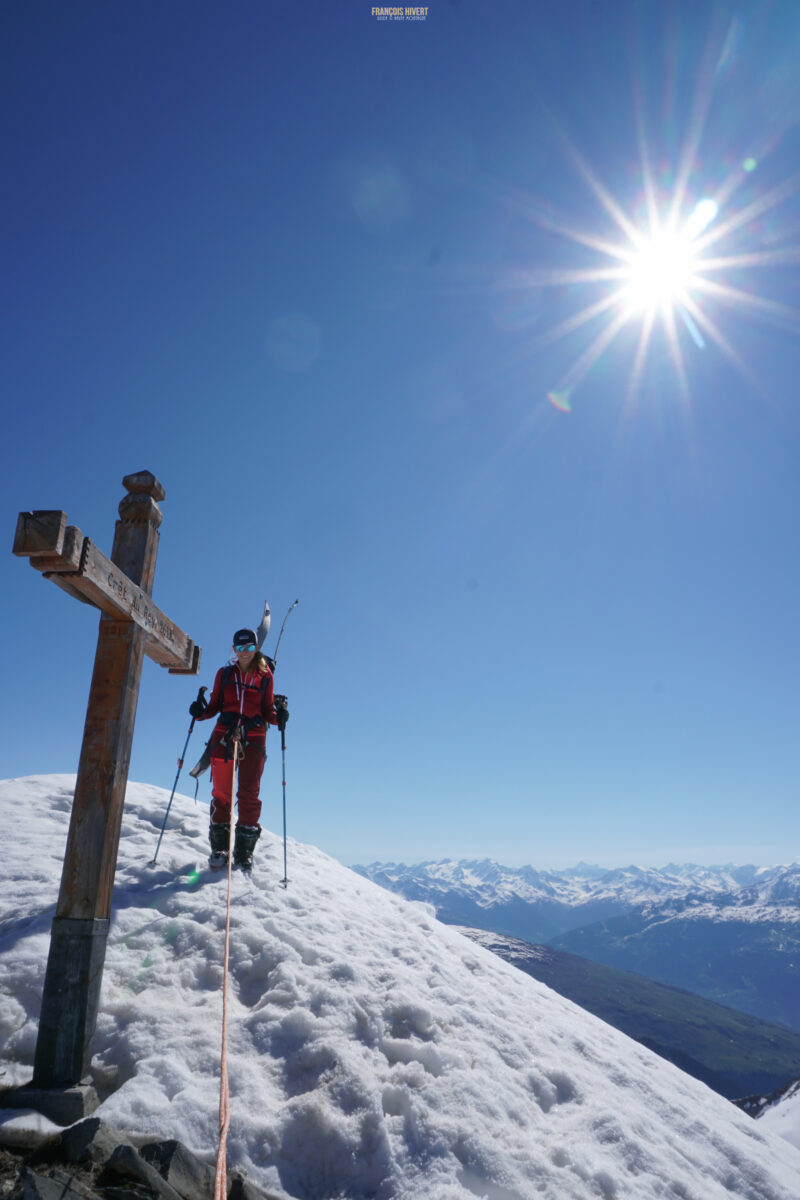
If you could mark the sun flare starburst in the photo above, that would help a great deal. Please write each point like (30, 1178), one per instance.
(675, 261)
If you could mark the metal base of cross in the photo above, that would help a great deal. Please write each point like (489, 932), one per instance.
(62, 1106)
(70, 1002)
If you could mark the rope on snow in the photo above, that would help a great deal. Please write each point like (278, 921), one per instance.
(220, 1178)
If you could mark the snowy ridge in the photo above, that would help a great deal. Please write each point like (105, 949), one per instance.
(373, 1051)
(695, 910)
(780, 1111)
(513, 949)
(782, 1115)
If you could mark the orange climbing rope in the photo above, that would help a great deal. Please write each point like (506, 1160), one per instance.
(221, 1176)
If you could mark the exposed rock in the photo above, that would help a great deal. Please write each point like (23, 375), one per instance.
(90, 1141)
(92, 1161)
(127, 1162)
(242, 1189)
(58, 1185)
(181, 1169)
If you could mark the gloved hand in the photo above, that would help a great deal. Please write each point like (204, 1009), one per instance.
(281, 711)
(198, 707)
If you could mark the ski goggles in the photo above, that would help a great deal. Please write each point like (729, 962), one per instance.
(244, 646)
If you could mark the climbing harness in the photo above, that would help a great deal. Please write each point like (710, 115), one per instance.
(204, 762)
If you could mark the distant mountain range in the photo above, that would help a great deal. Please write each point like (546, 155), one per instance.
(735, 1054)
(730, 934)
(757, 1105)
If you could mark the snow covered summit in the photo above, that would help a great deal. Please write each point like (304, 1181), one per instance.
(373, 1051)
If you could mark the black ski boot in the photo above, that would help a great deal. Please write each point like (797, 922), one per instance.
(245, 844)
(219, 837)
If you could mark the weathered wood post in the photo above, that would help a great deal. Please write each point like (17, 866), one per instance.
(130, 627)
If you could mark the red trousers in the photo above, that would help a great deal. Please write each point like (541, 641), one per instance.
(250, 768)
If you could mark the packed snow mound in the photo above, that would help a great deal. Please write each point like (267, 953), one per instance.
(373, 1052)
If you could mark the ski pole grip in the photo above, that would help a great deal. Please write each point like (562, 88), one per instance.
(195, 708)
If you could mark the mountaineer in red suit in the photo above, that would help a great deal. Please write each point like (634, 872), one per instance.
(242, 695)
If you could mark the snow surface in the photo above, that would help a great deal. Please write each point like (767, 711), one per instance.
(784, 1117)
(373, 1052)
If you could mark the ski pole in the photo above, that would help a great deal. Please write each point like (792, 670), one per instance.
(175, 784)
(285, 880)
(283, 626)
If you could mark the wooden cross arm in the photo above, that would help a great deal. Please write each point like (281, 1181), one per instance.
(63, 554)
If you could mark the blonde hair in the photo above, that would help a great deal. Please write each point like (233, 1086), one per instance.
(257, 664)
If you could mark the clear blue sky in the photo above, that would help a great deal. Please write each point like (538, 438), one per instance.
(294, 261)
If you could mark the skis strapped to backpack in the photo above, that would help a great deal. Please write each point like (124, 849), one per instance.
(202, 765)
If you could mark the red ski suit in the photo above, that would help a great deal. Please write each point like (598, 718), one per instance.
(251, 696)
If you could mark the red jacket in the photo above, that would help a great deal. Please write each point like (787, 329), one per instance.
(250, 695)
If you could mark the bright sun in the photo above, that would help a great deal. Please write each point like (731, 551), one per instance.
(666, 270)
(662, 266)
(659, 273)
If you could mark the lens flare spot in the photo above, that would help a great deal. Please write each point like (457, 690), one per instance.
(560, 400)
(704, 213)
(749, 164)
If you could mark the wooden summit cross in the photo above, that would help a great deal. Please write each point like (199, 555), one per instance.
(130, 627)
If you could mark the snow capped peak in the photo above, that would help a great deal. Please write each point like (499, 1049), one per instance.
(488, 883)
(373, 1052)
(588, 870)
